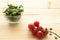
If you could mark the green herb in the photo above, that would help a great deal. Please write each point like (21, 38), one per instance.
(13, 10)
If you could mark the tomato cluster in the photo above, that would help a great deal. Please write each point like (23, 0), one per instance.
(37, 30)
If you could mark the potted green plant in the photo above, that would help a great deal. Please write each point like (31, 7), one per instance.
(13, 13)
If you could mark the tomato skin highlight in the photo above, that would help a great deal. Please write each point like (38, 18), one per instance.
(40, 34)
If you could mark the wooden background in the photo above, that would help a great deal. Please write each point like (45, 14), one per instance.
(20, 31)
(47, 12)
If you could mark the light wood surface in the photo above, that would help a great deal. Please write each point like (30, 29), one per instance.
(40, 12)
(19, 31)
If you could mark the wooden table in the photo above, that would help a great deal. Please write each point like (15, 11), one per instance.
(20, 31)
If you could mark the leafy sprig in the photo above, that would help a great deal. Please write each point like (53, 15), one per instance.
(13, 10)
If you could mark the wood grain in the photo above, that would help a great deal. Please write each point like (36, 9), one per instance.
(19, 31)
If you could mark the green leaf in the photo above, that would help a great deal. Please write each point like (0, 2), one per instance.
(13, 10)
